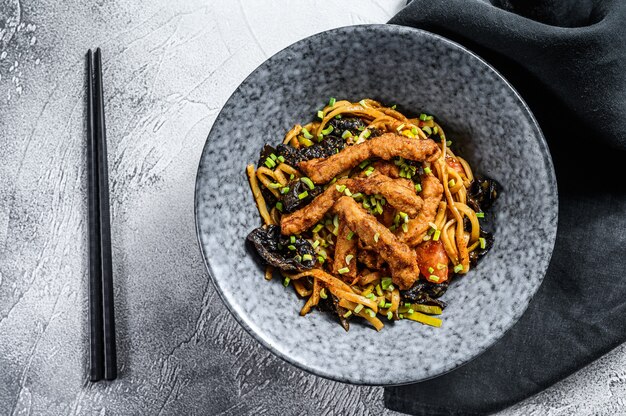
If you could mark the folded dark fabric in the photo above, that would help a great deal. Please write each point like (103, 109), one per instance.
(568, 61)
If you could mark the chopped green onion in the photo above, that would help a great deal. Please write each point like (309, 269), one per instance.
(434, 278)
(423, 117)
(347, 314)
(358, 308)
(483, 243)
(391, 288)
(362, 102)
(401, 316)
(316, 243)
(281, 159)
(410, 311)
(306, 142)
(458, 268)
(381, 304)
(363, 164)
(418, 187)
(284, 190)
(291, 176)
(448, 143)
(480, 215)
(348, 258)
(429, 117)
(308, 182)
(414, 130)
(306, 134)
(336, 221)
(291, 247)
(400, 127)
(350, 235)
(321, 259)
(427, 170)
(323, 294)
(367, 133)
(376, 237)
(427, 130)
(347, 192)
(318, 227)
(431, 270)
(357, 195)
(346, 134)
(286, 281)
(393, 107)
(436, 235)
(385, 282)
(404, 216)
(451, 183)
(387, 305)
(292, 239)
(435, 130)
(320, 137)
(327, 130)
(379, 290)
(441, 266)
(279, 206)
(338, 116)
(370, 296)
(303, 195)
(343, 270)
(370, 312)
(274, 185)
(369, 171)
(307, 257)
(273, 156)
(390, 315)
(270, 163)
(340, 188)
(332, 101)
(320, 114)
(405, 227)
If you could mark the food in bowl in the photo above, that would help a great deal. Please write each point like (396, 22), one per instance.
(369, 213)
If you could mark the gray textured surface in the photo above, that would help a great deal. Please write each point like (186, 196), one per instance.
(169, 68)
(287, 89)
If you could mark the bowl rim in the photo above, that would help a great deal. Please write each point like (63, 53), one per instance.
(551, 178)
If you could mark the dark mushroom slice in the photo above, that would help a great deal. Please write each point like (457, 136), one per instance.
(287, 253)
(329, 146)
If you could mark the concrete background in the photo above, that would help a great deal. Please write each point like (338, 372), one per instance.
(169, 67)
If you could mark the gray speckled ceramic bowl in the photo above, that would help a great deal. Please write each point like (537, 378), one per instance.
(491, 127)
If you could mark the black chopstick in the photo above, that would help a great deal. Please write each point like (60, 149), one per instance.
(103, 357)
(96, 352)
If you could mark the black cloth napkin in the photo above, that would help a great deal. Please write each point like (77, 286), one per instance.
(568, 60)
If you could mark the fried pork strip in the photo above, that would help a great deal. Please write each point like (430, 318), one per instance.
(401, 259)
(386, 146)
(344, 248)
(432, 191)
(396, 192)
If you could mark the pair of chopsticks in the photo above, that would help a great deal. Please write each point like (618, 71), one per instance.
(102, 357)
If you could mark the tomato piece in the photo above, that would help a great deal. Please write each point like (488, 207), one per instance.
(432, 260)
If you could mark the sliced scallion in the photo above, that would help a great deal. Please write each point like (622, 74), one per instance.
(343, 270)
(303, 195)
(308, 182)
